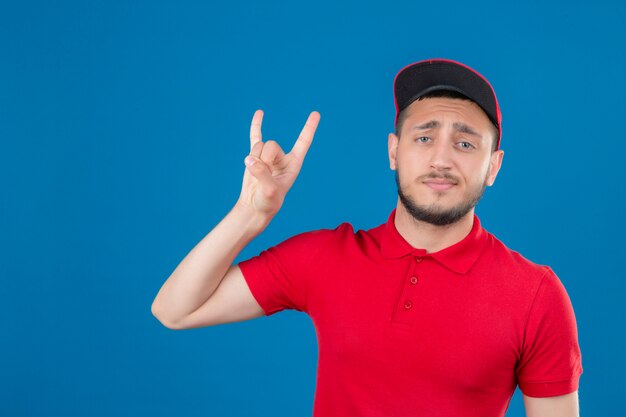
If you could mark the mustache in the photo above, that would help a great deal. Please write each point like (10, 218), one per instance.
(435, 176)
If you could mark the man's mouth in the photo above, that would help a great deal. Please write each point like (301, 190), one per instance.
(439, 184)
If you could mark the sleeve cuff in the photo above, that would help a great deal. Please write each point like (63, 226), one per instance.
(256, 286)
(549, 389)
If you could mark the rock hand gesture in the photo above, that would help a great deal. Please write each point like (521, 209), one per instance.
(206, 289)
(270, 172)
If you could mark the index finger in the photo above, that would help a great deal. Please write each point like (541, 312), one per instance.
(255, 128)
(301, 147)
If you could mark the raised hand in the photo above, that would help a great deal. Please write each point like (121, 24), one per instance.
(269, 171)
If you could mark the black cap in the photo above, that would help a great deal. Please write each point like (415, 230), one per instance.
(420, 78)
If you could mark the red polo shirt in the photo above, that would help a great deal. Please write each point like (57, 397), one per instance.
(403, 332)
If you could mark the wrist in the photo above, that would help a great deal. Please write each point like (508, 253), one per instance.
(250, 218)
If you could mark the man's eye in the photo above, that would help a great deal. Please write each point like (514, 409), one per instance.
(422, 139)
(466, 145)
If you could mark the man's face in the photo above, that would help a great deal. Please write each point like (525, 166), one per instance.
(443, 161)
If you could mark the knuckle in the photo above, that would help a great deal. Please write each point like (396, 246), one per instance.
(257, 169)
(261, 168)
(271, 146)
(254, 167)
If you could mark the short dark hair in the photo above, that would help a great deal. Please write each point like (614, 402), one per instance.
(445, 94)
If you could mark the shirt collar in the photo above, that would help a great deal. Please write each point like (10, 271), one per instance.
(459, 257)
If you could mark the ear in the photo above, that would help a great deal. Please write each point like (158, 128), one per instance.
(392, 148)
(494, 166)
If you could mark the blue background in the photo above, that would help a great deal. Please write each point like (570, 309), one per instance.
(124, 126)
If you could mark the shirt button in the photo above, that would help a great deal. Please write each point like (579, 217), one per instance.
(408, 305)
(418, 258)
(413, 280)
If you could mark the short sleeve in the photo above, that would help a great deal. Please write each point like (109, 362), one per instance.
(550, 362)
(278, 276)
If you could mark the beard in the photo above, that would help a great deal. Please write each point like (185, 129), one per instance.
(433, 213)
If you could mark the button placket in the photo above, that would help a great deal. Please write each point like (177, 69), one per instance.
(406, 312)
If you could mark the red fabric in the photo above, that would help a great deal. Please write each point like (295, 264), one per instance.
(405, 333)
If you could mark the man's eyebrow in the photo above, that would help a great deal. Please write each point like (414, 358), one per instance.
(428, 125)
(463, 128)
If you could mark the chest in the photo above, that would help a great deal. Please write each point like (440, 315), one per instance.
(417, 319)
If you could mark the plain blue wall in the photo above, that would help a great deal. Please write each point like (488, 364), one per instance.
(124, 126)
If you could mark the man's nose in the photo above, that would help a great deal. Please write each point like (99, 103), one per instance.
(441, 155)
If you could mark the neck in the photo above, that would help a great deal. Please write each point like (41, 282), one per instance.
(428, 236)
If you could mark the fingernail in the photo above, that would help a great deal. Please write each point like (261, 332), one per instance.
(249, 161)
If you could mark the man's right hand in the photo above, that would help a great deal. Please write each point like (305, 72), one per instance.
(205, 289)
(269, 171)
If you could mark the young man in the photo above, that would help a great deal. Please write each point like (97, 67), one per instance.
(427, 314)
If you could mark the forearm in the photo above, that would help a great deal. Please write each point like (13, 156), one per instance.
(198, 275)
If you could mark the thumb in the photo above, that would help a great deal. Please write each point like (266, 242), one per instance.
(258, 169)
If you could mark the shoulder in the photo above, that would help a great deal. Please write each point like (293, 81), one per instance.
(341, 239)
(340, 234)
(310, 243)
(513, 261)
(511, 269)
(321, 236)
